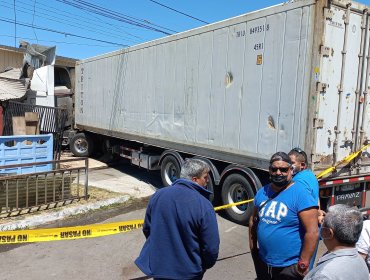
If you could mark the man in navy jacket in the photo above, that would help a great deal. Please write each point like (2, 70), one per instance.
(180, 227)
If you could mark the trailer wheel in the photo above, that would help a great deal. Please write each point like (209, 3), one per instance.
(234, 189)
(170, 170)
(81, 145)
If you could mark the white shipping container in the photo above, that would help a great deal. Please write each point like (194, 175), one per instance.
(294, 74)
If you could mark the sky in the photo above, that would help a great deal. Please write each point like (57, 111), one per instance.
(85, 28)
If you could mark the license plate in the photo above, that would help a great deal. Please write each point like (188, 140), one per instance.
(348, 194)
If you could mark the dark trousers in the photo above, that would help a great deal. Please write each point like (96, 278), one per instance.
(266, 272)
(200, 277)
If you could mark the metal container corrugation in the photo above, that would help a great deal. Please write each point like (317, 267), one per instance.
(241, 89)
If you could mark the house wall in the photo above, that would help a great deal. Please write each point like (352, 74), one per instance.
(10, 59)
(13, 57)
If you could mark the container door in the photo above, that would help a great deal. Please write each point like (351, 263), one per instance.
(339, 85)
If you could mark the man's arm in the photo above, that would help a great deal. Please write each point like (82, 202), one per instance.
(147, 221)
(253, 230)
(209, 240)
(309, 218)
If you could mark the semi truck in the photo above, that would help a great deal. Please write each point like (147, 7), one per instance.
(233, 93)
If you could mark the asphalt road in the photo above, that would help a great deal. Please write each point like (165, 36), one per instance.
(112, 257)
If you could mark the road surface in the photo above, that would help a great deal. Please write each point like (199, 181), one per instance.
(112, 257)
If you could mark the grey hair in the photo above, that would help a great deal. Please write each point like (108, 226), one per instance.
(346, 222)
(193, 168)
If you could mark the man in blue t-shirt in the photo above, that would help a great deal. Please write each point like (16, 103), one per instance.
(284, 223)
(302, 174)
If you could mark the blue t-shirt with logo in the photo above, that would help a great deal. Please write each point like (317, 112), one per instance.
(308, 178)
(280, 232)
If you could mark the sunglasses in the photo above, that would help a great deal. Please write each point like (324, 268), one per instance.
(298, 150)
(282, 169)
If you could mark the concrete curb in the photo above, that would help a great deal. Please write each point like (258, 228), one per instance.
(44, 218)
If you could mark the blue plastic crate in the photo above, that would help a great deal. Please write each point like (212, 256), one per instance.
(22, 149)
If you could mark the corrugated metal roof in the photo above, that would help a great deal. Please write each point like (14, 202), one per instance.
(13, 73)
(11, 89)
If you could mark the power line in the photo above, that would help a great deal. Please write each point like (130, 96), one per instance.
(172, 9)
(59, 42)
(133, 19)
(87, 20)
(54, 19)
(33, 19)
(116, 31)
(112, 15)
(15, 25)
(61, 32)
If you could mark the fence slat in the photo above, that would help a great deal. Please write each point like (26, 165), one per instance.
(27, 191)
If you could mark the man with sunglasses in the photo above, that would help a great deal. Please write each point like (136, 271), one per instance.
(284, 223)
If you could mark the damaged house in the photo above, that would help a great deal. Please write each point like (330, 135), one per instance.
(33, 74)
(36, 101)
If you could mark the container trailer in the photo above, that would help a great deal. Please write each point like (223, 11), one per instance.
(233, 93)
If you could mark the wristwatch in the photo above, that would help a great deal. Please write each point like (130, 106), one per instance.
(302, 265)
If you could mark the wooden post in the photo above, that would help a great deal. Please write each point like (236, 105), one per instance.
(32, 123)
(19, 125)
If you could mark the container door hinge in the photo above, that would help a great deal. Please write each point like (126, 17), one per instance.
(321, 87)
(326, 51)
(328, 14)
(318, 123)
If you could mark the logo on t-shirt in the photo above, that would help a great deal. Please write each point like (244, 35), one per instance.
(273, 212)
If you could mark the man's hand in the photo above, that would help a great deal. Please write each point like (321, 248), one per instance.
(303, 267)
(253, 230)
(321, 216)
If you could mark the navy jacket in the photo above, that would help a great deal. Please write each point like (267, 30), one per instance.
(182, 233)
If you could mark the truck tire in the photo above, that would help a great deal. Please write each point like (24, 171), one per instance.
(170, 170)
(81, 145)
(234, 189)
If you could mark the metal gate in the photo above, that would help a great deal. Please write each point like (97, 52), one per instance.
(25, 193)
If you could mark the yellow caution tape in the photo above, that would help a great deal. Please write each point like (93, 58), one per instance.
(91, 231)
(345, 160)
(79, 232)
(232, 204)
(325, 172)
(68, 233)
